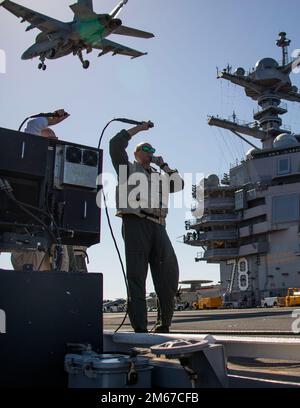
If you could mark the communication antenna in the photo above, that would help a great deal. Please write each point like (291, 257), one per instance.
(283, 43)
(268, 83)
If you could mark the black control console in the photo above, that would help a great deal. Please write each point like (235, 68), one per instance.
(48, 189)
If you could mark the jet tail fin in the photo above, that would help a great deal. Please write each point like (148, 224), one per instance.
(114, 13)
(86, 3)
(82, 13)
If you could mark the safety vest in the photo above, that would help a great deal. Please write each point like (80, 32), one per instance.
(142, 193)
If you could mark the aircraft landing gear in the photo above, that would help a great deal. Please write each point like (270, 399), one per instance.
(85, 63)
(42, 64)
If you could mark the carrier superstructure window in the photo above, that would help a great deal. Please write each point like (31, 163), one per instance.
(283, 166)
(285, 208)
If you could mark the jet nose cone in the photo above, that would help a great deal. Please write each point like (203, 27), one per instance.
(26, 55)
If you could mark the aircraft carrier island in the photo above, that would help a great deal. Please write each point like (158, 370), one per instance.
(248, 222)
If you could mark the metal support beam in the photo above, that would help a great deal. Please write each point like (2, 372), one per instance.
(236, 127)
(245, 140)
(245, 82)
(248, 83)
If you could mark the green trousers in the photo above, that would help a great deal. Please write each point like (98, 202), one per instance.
(147, 243)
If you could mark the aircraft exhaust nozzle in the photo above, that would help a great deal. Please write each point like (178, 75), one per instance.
(115, 23)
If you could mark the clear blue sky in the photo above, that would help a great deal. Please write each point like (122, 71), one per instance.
(175, 86)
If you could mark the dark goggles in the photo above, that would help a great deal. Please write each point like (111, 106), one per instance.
(148, 149)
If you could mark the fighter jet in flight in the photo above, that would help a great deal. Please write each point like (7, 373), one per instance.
(87, 31)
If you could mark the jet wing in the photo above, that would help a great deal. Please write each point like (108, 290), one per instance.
(36, 20)
(132, 32)
(115, 48)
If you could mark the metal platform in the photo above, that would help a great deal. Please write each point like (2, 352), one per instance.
(259, 362)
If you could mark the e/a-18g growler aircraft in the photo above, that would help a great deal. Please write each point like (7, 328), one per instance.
(87, 31)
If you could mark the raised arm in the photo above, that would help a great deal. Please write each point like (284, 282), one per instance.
(117, 149)
(119, 143)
